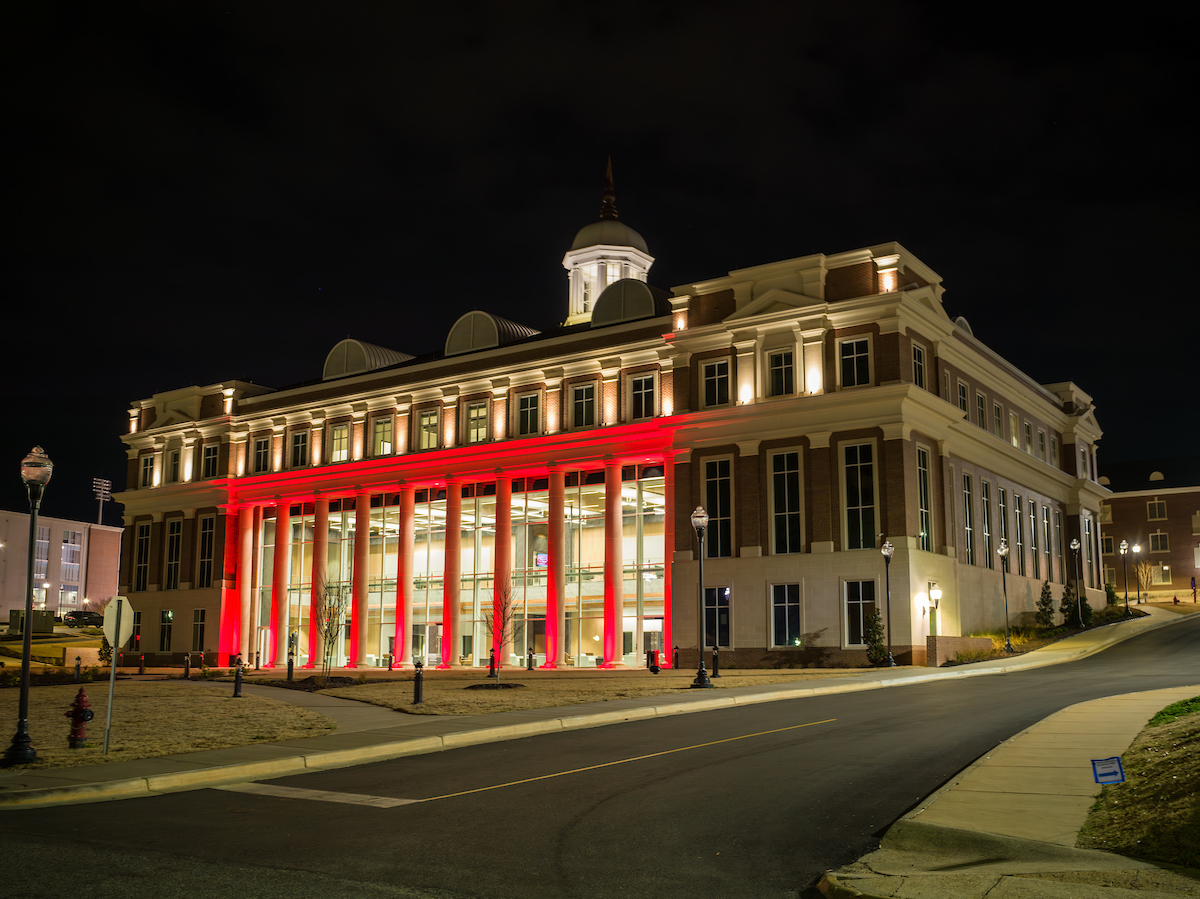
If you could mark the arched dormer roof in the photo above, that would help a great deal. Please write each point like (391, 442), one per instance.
(609, 233)
(352, 357)
(629, 300)
(481, 331)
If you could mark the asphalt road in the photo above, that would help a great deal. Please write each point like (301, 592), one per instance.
(755, 802)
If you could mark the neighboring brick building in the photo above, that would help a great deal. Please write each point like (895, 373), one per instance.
(1155, 505)
(75, 564)
(813, 406)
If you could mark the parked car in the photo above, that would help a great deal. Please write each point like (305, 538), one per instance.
(83, 619)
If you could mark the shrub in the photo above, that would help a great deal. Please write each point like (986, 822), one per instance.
(876, 647)
(1068, 607)
(1110, 593)
(1045, 607)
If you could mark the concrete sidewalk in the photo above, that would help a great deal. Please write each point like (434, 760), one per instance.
(994, 830)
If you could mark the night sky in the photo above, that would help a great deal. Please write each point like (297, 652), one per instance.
(201, 192)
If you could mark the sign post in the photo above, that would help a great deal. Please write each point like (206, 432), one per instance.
(117, 628)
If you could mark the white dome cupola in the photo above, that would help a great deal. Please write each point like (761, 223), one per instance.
(602, 253)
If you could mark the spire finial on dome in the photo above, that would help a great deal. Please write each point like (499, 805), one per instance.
(608, 208)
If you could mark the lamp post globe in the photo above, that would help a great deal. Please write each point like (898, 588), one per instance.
(700, 524)
(36, 469)
(1078, 598)
(1125, 566)
(1002, 552)
(888, 550)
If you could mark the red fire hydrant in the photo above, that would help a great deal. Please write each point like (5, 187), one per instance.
(80, 714)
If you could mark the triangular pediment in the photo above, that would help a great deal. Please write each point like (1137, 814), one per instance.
(774, 300)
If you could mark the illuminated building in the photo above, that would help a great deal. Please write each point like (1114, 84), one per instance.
(814, 406)
(74, 564)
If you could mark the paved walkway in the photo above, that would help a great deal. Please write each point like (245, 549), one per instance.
(1003, 828)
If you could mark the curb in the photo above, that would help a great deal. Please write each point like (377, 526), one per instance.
(343, 758)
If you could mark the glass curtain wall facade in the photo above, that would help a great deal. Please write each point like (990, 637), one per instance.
(643, 551)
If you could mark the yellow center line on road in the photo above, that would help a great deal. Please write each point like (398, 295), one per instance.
(636, 758)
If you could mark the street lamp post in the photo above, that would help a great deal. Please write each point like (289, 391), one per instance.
(1137, 570)
(35, 472)
(1002, 552)
(1078, 598)
(1125, 566)
(887, 549)
(699, 523)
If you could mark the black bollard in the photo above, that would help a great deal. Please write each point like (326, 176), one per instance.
(529, 660)
(676, 661)
(257, 659)
(492, 664)
(142, 663)
(78, 674)
(187, 666)
(419, 684)
(237, 683)
(291, 663)
(391, 659)
(716, 662)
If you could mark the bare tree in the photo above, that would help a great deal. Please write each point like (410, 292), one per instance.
(329, 609)
(501, 626)
(1145, 575)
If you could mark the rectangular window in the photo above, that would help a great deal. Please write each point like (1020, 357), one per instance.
(1002, 494)
(174, 547)
(1014, 435)
(204, 555)
(716, 383)
(583, 405)
(41, 562)
(1048, 550)
(141, 558)
(716, 616)
(339, 443)
(718, 497)
(427, 429)
(786, 512)
(986, 494)
(1083, 462)
(173, 466)
(1156, 510)
(785, 608)
(981, 411)
(1042, 445)
(860, 603)
(962, 396)
(1088, 551)
(1159, 543)
(198, 630)
(859, 461)
(918, 365)
(1054, 451)
(856, 362)
(381, 437)
(968, 521)
(299, 449)
(135, 638)
(782, 374)
(1028, 438)
(924, 500)
(1106, 545)
(1033, 540)
(209, 464)
(1110, 577)
(529, 419)
(477, 422)
(1160, 574)
(998, 420)
(262, 454)
(165, 618)
(1019, 521)
(641, 397)
(1058, 546)
(147, 478)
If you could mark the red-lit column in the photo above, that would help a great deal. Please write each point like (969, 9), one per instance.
(245, 582)
(667, 657)
(232, 622)
(279, 582)
(503, 573)
(320, 570)
(556, 572)
(404, 579)
(361, 577)
(614, 587)
(452, 575)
